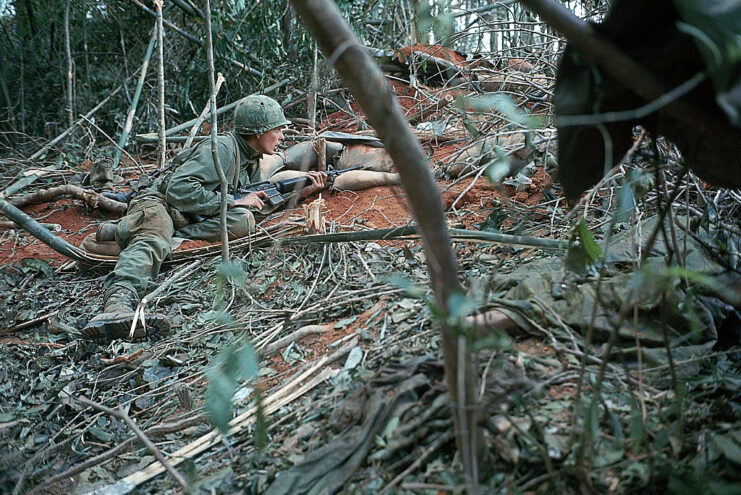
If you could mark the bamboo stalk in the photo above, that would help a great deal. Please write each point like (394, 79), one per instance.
(373, 93)
(120, 414)
(192, 134)
(214, 139)
(225, 108)
(311, 96)
(28, 180)
(413, 230)
(272, 403)
(70, 112)
(37, 230)
(162, 144)
(135, 100)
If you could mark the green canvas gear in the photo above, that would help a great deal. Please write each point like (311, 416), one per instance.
(116, 319)
(257, 114)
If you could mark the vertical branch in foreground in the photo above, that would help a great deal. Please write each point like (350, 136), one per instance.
(70, 118)
(135, 99)
(311, 97)
(214, 142)
(373, 92)
(162, 139)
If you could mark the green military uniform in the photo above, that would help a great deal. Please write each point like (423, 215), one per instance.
(145, 233)
(187, 199)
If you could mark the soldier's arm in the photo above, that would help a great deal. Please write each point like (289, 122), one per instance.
(194, 186)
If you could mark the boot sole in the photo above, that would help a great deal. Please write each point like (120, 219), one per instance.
(119, 328)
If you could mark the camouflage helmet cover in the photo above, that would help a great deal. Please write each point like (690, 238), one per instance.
(258, 113)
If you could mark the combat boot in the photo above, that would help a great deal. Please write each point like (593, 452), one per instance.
(106, 232)
(118, 315)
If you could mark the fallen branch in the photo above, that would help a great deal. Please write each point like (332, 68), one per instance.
(27, 324)
(118, 413)
(10, 225)
(206, 110)
(294, 337)
(291, 391)
(433, 107)
(90, 197)
(118, 449)
(461, 235)
(441, 440)
(29, 179)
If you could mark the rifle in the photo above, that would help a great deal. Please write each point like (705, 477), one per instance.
(275, 190)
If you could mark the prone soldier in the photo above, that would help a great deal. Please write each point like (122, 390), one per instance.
(171, 202)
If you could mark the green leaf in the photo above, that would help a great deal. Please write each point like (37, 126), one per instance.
(229, 367)
(261, 423)
(583, 249)
(248, 364)
(216, 317)
(730, 448)
(459, 305)
(617, 427)
(443, 26)
(471, 128)
(590, 245)
(101, 435)
(38, 265)
(411, 289)
(219, 400)
(636, 427)
(625, 202)
(232, 271)
(499, 168)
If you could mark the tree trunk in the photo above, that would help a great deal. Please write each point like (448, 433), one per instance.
(135, 100)
(162, 146)
(311, 96)
(214, 142)
(70, 107)
(373, 93)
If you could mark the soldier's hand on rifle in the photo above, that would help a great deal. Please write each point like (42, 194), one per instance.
(253, 199)
(317, 182)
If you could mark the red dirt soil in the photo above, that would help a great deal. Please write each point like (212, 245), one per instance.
(379, 207)
(375, 208)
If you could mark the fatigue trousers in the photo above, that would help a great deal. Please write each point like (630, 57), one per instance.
(145, 236)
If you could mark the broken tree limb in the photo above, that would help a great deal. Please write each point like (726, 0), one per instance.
(90, 197)
(219, 81)
(169, 24)
(27, 324)
(462, 235)
(425, 111)
(118, 148)
(294, 337)
(28, 180)
(10, 225)
(162, 141)
(37, 230)
(120, 414)
(214, 140)
(195, 39)
(118, 449)
(135, 100)
(293, 390)
(373, 93)
(225, 108)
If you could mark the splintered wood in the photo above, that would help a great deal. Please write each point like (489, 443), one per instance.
(315, 222)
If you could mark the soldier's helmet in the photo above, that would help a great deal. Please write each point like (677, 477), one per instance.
(257, 114)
